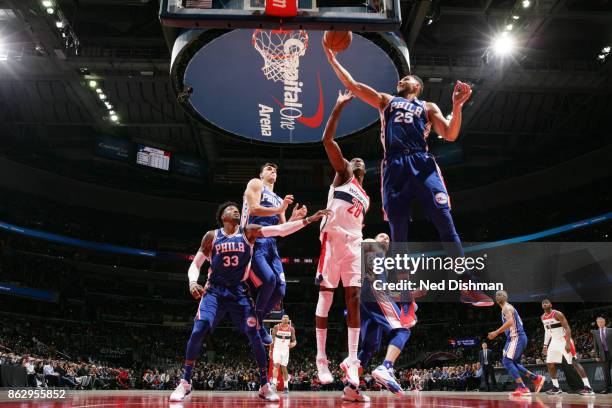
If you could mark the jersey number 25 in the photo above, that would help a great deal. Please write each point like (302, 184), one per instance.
(403, 117)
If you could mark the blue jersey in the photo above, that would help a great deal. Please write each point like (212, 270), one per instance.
(268, 199)
(517, 327)
(405, 126)
(230, 258)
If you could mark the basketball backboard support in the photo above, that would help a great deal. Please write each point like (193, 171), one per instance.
(352, 15)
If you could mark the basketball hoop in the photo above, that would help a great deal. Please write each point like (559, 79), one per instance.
(281, 51)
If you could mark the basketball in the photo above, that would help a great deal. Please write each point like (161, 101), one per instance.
(337, 40)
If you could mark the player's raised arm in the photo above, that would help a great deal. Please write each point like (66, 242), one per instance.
(337, 160)
(252, 195)
(449, 129)
(367, 94)
(253, 231)
(202, 255)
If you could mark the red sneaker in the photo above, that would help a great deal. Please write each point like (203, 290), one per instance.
(476, 298)
(521, 392)
(408, 316)
(538, 383)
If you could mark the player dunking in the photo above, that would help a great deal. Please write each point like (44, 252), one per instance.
(408, 170)
(340, 257)
(558, 344)
(229, 250)
(284, 340)
(264, 207)
(381, 315)
(516, 341)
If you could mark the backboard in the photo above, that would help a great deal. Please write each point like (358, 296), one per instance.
(353, 15)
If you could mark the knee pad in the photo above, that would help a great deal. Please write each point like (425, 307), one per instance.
(324, 303)
(400, 337)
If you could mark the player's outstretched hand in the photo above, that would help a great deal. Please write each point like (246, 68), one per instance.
(196, 290)
(298, 212)
(491, 335)
(318, 215)
(461, 93)
(344, 97)
(287, 201)
(328, 52)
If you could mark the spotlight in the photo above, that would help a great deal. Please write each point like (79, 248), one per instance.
(93, 84)
(112, 112)
(509, 27)
(102, 96)
(601, 57)
(50, 10)
(59, 24)
(47, 3)
(108, 105)
(503, 45)
(515, 17)
(606, 49)
(526, 3)
(98, 90)
(114, 118)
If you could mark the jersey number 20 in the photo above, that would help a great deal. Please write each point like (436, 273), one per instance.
(356, 208)
(230, 260)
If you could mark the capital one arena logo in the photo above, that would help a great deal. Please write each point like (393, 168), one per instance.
(281, 51)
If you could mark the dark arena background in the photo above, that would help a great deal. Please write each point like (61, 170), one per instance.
(125, 123)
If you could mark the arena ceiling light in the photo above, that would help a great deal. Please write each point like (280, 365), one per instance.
(98, 90)
(526, 3)
(114, 118)
(503, 44)
(47, 3)
(59, 24)
(50, 10)
(102, 96)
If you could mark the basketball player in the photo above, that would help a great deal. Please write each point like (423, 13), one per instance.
(229, 250)
(516, 341)
(408, 170)
(340, 257)
(380, 314)
(264, 207)
(558, 344)
(284, 340)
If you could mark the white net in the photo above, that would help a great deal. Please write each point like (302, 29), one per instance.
(281, 51)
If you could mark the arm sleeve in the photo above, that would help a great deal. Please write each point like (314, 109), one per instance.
(194, 268)
(282, 230)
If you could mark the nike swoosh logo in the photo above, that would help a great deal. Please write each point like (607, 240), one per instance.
(315, 120)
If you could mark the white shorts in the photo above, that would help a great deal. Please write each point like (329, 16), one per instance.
(340, 259)
(280, 355)
(556, 352)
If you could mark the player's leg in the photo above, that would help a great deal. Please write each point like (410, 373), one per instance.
(433, 196)
(244, 318)
(350, 365)
(370, 336)
(388, 317)
(552, 371)
(280, 285)
(570, 357)
(397, 197)
(326, 296)
(209, 313)
(285, 372)
(327, 279)
(264, 279)
(508, 362)
(275, 367)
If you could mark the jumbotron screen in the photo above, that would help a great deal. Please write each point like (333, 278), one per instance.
(152, 157)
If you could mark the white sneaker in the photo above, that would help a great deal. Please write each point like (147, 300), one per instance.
(354, 395)
(351, 370)
(268, 393)
(182, 390)
(325, 376)
(386, 377)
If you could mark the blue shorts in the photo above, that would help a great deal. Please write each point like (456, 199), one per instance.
(514, 347)
(408, 176)
(221, 300)
(265, 261)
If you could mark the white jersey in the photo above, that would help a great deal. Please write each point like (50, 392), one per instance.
(283, 336)
(553, 326)
(349, 202)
